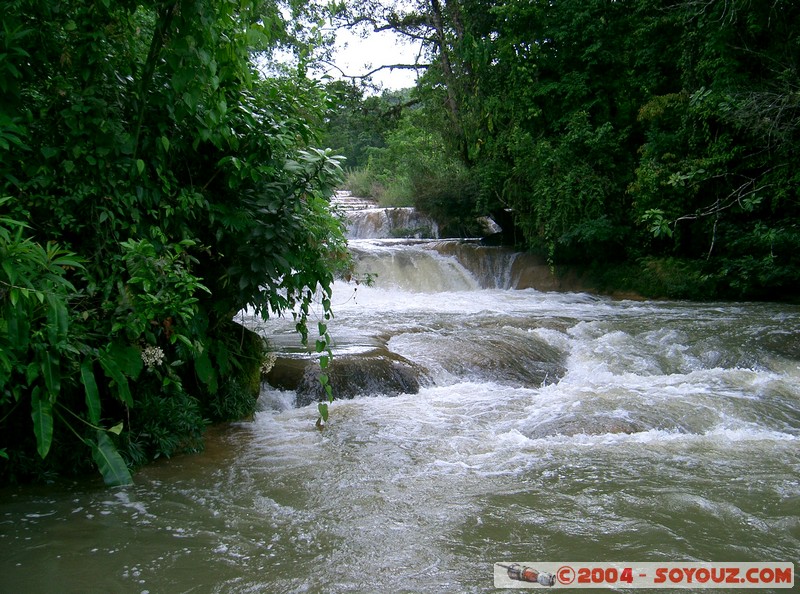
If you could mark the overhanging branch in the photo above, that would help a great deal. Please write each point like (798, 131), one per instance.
(378, 69)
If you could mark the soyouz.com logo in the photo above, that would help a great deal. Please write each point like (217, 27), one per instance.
(643, 575)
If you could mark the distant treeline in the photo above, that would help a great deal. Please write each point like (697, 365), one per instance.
(655, 141)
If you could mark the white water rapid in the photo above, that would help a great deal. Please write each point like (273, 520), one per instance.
(543, 426)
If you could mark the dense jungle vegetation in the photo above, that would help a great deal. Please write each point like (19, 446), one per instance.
(154, 182)
(653, 142)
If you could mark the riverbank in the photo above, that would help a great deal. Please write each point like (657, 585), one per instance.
(663, 278)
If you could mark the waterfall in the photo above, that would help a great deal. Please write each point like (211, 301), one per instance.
(384, 223)
(475, 421)
(401, 247)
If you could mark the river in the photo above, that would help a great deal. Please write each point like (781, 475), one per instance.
(545, 426)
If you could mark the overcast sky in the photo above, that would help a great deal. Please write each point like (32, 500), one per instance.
(357, 56)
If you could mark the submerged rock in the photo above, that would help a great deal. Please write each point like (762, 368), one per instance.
(378, 372)
(570, 425)
(510, 356)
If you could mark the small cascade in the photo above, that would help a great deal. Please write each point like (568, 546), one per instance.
(430, 264)
(492, 267)
(387, 223)
(454, 265)
(344, 201)
(497, 267)
(365, 220)
(411, 266)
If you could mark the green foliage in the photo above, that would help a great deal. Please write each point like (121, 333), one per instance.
(359, 123)
(616, 131)
(160, 292)
(657, 277)
(109, 462)
(42, 356)
(361, 183)
(412, 168)
(157, 185)
(169, 420)
(380, 144)
(578, 200)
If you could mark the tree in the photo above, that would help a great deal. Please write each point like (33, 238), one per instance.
(618, 130)
(158, 186)
(721, 144)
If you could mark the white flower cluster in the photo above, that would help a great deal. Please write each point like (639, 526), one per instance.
(152, 356)
(267, 363)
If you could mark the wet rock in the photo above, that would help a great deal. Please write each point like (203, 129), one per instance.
(377, 372)
(579, 425)
(361, 375)
(530, 271)
(511, 356)
(287, 372)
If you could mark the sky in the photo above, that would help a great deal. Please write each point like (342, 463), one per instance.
(357, 56)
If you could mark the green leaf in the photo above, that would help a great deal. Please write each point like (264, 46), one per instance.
(205, 371)
(128, 358)
(117, 429)
(57, 319)
(19, 325)
(184, 339)
(320, 345)
(110, 464)
(42, 415)
(140, 166)
(32, 372)
(9, 269)
(92, 393)
(51, 371)
(165, 143)
(113, 371)
(322, 407)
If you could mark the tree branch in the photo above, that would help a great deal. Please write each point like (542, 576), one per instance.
(378, 69)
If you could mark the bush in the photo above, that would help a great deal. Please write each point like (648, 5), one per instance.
(361, 183)
(159, 185)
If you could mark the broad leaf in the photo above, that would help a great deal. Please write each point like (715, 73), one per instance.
(205, 371)
(57, 319)
(110, 464)
(128, 358)
(322, 407)
(19, 326)
(51, 371)
(42, 415)
(113, 371)
(92, 394)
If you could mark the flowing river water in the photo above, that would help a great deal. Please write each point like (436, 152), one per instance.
(543, 426)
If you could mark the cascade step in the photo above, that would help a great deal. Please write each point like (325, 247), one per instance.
(344, 200)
